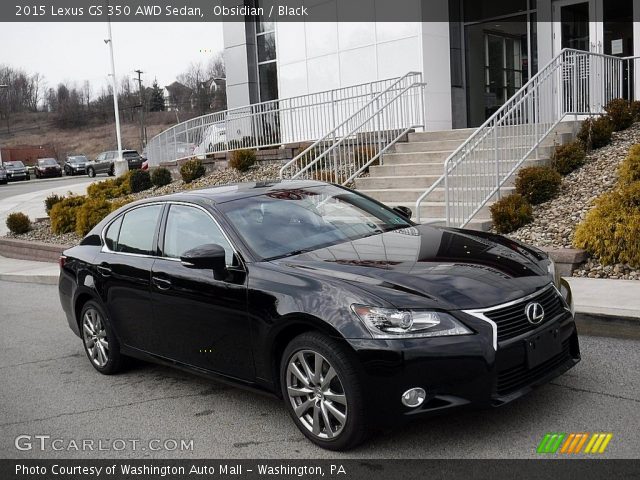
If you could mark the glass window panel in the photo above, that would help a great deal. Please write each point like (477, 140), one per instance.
(111, 237)
(138, 229)
(268, 74)
(266, 47)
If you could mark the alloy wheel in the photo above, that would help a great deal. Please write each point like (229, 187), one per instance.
(95, 337)
(316, 394)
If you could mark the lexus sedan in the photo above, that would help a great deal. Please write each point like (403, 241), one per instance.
(16, 171)
(344, 308)
(47, 167)
(75, 164)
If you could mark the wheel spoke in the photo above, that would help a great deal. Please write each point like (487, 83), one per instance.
(317, 369)
(325, 418)
(336, 397)
(327, 378)
(299, 392)
(293, 368)
(303, 407)
(87, 329)
(337, 414)
(306, 367)
(316, 420)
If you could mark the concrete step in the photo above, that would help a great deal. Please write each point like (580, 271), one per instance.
(399, 195)
(422, 181)
(456, 134)
(441, 156)
(428, 168)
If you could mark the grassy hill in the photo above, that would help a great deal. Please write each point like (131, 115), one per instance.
(39, 129)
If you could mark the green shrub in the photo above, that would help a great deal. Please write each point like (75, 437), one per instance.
(112, 188)
(538, 184)
(51, 200)
(192, 170)
(63, 214)
(139, 180)
(635, 110)
(242, 160)
(566, 158)
(610, 231)
(510, 213)
(629, 170)
(619, 112)
(161, 177)
(90, 213)
(595, 132)
(18, 223)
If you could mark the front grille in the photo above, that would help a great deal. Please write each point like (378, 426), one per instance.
(517, 377)
(512, 320)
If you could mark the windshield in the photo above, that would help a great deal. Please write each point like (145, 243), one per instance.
(288, 222)
(14, 164)
(79, 159)
(47, 161)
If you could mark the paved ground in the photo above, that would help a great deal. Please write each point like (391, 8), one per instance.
(49, 388)
(28, 197)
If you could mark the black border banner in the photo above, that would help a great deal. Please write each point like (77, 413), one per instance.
(544, 469)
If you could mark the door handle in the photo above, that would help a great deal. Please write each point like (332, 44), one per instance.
(161, 283)
(104, 270)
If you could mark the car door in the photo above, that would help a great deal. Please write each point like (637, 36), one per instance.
(203, 321)
(124, 274)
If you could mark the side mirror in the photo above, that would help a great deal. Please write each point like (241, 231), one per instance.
(205, 257)
(404, 211)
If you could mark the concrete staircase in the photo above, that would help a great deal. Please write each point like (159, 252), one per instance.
(413, 166)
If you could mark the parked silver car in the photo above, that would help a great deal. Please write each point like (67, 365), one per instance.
(16, 171)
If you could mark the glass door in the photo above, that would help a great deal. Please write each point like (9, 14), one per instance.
(574, 26)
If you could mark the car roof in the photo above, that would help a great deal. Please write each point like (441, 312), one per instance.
(235, 191)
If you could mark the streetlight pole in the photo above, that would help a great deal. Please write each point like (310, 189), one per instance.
(2, 87)
(120, 166)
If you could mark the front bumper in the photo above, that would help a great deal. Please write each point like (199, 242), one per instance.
(460, 370)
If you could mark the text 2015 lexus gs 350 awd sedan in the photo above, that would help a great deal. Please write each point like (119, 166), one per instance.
(345, 308)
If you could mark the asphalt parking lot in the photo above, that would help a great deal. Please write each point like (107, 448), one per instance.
(49, 388)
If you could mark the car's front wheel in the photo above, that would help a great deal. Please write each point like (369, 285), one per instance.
(91, 172)
(322, 391)
(100, 344)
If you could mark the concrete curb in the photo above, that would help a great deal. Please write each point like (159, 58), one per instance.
(36, 279)
(601, 325)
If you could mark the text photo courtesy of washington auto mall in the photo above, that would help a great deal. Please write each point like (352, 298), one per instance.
(359, 239)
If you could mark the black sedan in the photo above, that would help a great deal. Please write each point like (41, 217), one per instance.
(75, 164)
(346, 309)
(16, 170)
(47, 167)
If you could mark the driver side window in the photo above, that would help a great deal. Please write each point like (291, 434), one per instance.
(189, 227)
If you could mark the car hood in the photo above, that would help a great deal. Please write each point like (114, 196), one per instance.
(430, 267)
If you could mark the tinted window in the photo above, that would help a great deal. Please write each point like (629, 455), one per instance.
(111, 237)
(137, 230)
(190, 227)
(47, 161)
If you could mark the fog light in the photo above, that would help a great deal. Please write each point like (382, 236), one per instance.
(414, 397)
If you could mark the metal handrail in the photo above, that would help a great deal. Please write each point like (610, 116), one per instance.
(349, 148)
(302, 118)
(574, 82)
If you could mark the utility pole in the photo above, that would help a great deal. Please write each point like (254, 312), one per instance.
(120, 165)
(143, 130)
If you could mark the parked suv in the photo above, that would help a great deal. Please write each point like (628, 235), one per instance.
(47, 167)
(75, 164)
(16, 171)
(105, 162)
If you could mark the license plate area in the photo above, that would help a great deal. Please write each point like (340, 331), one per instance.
(542, 346)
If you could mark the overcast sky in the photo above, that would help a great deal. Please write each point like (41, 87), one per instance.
(76, 51)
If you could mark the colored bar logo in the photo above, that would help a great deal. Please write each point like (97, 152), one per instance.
(573, 443)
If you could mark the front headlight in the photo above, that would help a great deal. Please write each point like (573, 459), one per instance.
(392, 323)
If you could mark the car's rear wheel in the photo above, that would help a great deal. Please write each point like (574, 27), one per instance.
(100, 344)
(322, 391)
(91, 172)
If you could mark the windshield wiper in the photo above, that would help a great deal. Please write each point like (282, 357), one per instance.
(289, 254)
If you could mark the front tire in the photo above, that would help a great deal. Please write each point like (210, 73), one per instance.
(322, 391)
(91, 172)
(100, 343)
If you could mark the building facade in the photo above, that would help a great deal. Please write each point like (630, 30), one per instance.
(471, 64)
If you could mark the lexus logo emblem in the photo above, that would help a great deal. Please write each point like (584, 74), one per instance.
(534, 313)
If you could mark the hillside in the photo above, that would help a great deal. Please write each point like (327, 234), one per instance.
(38, 129)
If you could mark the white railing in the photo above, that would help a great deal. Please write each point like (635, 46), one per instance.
(348, 148)
(573, 83)
(290, 120)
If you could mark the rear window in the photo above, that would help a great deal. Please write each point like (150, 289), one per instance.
(137, 231)
(130, 154)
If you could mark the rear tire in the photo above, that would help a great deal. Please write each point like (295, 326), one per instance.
(327, 405)
(91, 172)
(100, 343)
